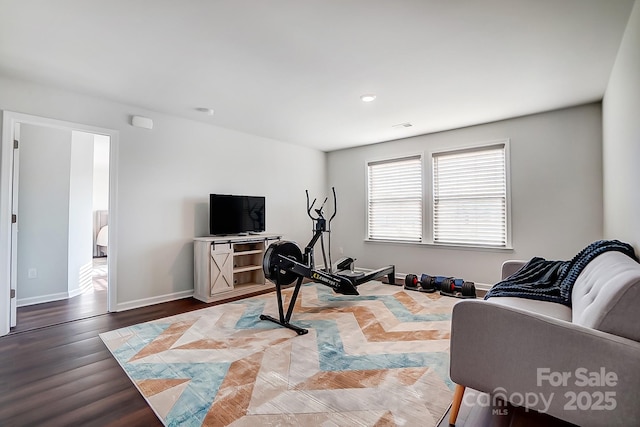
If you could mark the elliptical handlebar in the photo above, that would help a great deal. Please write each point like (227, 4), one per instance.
(335, 205)
(310, 207)
(319, 210)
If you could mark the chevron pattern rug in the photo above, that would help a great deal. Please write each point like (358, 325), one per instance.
(377, 359)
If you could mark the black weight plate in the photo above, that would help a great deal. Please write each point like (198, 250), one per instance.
(411, 280)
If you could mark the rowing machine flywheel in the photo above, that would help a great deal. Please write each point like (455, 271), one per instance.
(273, 260)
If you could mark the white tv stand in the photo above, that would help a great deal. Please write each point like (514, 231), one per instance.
(230, 266)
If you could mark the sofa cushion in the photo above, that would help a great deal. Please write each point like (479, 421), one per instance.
(551, 309)
(606, 295)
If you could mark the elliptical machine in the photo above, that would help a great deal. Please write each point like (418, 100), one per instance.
(284, 263)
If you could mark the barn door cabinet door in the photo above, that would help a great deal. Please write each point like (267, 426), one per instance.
(221, 269)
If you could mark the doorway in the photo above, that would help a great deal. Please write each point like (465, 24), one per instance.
(61, 181)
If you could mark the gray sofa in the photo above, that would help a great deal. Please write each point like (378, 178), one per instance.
(579, 364)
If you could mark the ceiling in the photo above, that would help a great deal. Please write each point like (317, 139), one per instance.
(294, 70)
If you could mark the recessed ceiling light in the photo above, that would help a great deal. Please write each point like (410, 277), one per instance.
(205, 110)
(368, 97)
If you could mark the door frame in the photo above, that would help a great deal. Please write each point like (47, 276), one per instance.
(9, 121)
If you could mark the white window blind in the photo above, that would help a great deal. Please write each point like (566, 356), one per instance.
(470, 197)
(395, 199)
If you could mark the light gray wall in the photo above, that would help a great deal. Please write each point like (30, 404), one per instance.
(43, 213)
(621, 139)
(100, 172)
(81, 212)
(169, 174)
(165, 176)
(556, 194)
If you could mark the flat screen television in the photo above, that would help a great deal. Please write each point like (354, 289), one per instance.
(232, 214)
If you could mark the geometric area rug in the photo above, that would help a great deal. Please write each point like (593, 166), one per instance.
(380, 358)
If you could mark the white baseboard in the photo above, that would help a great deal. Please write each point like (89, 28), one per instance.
(23, 302)
(144, 302)
(483, 286)
(75, 293)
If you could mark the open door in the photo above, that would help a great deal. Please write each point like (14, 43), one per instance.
(12, 267)
(13, 302)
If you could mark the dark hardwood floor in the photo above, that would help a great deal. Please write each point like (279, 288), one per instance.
(52, 313)
(63, 375)
(92, 302)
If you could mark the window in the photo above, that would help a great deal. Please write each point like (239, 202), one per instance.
(395, 199)
(470, 197)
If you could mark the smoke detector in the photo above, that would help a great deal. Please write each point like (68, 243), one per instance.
(402, 125)
(208, 111)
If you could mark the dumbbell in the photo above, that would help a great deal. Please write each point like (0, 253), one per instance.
(453, 286)
(426, 282)
(446, 285)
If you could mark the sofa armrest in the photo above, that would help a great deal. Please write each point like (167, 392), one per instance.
(511, 266)
(521, 355)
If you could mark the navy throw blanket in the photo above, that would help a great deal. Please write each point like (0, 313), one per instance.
(553, 281)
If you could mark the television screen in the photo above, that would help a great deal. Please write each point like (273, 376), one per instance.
(230, 214)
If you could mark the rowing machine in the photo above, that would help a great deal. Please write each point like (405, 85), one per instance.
(284, 263)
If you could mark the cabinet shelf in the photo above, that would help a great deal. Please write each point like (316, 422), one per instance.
(227, 267)
(249, 285)
(246, 268)
(241, 253)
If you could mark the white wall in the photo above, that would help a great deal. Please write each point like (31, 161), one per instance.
(170, 173)
(100, 172)
(621, 139)
(556, 194)
(43, 214)
(55, 214)
(80, 213)
(165, 176)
